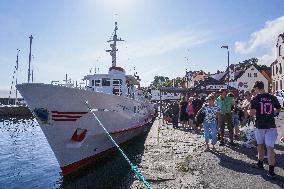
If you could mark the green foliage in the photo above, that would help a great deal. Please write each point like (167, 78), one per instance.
(183, 167)
(162, 81)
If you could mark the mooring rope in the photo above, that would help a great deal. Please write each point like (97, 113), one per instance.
(133, 167)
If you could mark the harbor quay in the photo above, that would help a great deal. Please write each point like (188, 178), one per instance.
(175, 158)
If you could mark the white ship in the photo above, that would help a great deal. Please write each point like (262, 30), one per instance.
(71, 130)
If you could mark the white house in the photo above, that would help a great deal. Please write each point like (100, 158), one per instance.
(245, 79)
(194, 77)
(277, 65)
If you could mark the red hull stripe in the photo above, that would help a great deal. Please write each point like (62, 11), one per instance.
(68, 112)
(66, 116)
(64, 119)
(76, 165)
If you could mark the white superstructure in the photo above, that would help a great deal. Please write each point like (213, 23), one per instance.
(72, 132)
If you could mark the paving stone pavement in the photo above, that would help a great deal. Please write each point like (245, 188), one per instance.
(175, 158)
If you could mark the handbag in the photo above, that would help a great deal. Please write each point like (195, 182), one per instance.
(200, 116)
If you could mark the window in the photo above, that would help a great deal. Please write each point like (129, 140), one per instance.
(116, 82)
(254, 74)
(273, 70)
(276, 85)
(93, 82)
(280, 68)
(97, 82)
(116, 92)
(280, 88)
(249, 74)
(276, 70)
(279, 49)
(105, 82)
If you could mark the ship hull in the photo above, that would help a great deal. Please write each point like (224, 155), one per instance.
(73, 133)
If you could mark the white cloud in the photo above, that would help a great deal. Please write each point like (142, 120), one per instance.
(166, 43)
(154, 46)
(264, 39)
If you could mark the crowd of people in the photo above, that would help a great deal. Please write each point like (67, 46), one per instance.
(224, 109)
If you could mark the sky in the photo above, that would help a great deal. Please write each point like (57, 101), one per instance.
(162, 37)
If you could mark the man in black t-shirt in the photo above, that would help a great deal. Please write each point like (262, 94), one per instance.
(265, 107)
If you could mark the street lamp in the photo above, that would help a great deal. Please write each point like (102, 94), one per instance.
(227, 47)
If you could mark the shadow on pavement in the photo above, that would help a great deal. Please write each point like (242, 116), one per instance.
(244, 167)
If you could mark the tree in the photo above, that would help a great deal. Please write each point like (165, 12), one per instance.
(159, 81)
(162, 81)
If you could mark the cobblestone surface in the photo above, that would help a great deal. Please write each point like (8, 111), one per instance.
(175, 158)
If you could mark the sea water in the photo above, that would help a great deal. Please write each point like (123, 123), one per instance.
(27, 161)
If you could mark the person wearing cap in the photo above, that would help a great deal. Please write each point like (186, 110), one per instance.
(265, 107)
(225, 103)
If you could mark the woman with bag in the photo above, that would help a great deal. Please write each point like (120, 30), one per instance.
(210, 120)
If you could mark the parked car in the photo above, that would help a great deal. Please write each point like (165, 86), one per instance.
(280, 96)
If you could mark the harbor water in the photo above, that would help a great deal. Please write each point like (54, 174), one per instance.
(27, 161)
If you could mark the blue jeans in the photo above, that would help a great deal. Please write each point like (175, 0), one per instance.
(213, 128)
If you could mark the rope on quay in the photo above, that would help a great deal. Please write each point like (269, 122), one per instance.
(133, 167)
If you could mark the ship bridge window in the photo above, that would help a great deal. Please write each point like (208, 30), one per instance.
(105, 82)
(117, 82)
(97, 82)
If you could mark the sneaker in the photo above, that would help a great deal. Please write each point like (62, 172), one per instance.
(221, 143)
(271, 174)
(257, 166)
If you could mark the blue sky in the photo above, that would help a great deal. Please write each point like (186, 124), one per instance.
(70, 36)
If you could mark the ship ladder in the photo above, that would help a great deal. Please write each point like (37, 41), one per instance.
(133, 167)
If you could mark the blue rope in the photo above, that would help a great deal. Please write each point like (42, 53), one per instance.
(133, 167)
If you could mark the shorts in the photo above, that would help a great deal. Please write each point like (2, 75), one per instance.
(266, 136)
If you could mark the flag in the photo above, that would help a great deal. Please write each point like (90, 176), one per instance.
(66, 116)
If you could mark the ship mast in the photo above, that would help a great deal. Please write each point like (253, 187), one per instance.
(113, 50)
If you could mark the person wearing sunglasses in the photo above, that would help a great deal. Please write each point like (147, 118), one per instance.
(210, 121)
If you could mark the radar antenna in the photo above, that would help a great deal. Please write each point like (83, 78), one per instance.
(113, 50)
